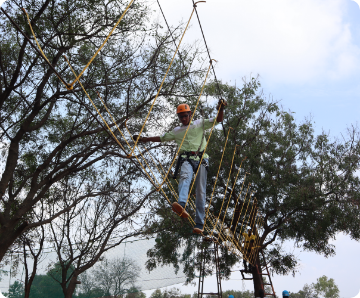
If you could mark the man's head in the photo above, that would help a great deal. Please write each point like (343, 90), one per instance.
(184, 113)
(249, 231)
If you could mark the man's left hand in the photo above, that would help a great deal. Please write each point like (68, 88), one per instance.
(222, 103)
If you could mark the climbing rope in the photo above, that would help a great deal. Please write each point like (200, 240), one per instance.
(157, 94)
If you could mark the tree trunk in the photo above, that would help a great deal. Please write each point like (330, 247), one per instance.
(257, 278)
(69, 291)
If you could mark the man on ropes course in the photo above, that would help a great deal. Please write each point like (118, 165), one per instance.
(190, 154)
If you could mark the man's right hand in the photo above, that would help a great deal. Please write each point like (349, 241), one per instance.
(141, 139)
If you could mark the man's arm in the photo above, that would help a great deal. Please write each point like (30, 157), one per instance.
(147, 139)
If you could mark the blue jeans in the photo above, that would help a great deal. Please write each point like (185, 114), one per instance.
(186, 175)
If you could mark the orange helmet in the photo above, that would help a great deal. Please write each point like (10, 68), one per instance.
(183, 108)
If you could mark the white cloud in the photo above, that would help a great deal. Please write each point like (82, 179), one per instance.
(287, 41)
(357, 1)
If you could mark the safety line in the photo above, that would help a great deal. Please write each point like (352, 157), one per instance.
(41, 53)
(180, 56)
(256, 242)
(36, 49)
(254, 254)
(116, 139)
(207, 48)
(152, 105)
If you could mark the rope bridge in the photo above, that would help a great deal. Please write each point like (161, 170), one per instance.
(244, 214)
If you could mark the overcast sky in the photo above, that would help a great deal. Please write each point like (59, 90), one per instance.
(307, 54)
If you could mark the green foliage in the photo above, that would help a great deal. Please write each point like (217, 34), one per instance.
(306, 292)
(133, 292)
(16, 290)
(323, 288)
(238, 294)
(44, 286)
(114, 277)
(171, 293)
(326, 287)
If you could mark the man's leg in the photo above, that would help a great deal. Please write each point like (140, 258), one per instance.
(200, 197)
(186, 173)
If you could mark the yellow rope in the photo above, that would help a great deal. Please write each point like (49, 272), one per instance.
(227, 183)
(242, 224)
(168, 183)
(118, 142)
(256, 248)
(232, 189)
(152, 105)
(88, 96)
(257, 240)
(97, 52)
(217, 175)
(237, 200)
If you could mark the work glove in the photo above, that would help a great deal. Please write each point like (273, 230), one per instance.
(221, 104)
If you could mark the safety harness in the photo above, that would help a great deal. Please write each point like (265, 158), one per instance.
(185, 156)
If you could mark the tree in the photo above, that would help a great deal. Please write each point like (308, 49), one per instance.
(133, 292)
(307, 187)
(52, 136)
(87, 288)
(306, 292)
(115, 277)
(33, 244)
(326, 288)
(81, 236)
(171, 293)
(16, 290)
(45, 286)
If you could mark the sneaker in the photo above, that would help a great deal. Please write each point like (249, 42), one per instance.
(197, 231)
(177, 208)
